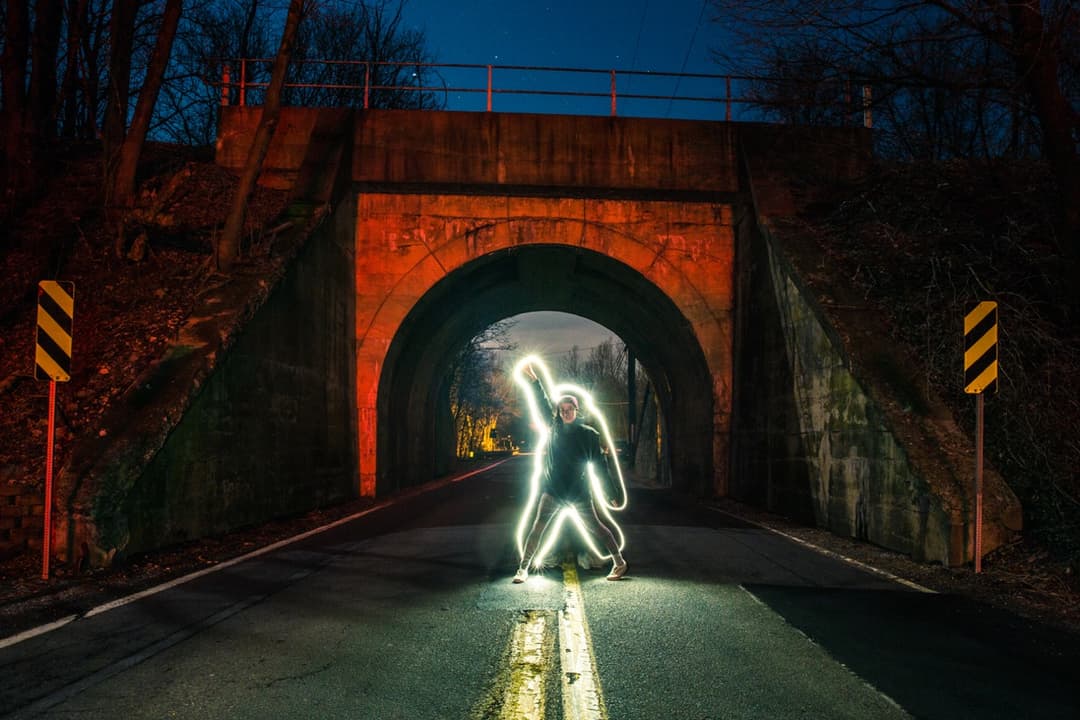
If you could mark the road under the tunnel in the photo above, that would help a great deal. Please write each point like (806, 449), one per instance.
(409, 612)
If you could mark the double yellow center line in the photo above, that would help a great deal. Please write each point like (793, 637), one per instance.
(521, 690)
(582, 697)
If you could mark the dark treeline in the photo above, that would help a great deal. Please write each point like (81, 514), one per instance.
(972, 79)
(119, 72)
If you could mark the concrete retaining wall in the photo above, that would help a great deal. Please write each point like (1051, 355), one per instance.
(811, 442)
(272, 432)
(246, 417)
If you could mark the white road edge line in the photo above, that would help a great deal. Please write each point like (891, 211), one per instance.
(866, 683)
(851, 561)
(120, 602)
(582, 696)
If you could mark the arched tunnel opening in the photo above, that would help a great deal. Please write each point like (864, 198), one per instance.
(576, 350)
(415, 443)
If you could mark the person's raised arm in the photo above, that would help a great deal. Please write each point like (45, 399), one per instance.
(542, 399)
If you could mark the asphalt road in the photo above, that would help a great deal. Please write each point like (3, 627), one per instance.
(410, 613)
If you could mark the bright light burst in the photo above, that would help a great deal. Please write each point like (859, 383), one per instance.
(600, 499)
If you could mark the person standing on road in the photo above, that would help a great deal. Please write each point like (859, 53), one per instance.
(564, 476)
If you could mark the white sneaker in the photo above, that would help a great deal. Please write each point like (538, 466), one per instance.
(617, 570)
(521, 575)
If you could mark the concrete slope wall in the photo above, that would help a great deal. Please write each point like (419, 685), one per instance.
(271, 434)
(247, 417)
(811, 442)
(810, 439)
(827, 427)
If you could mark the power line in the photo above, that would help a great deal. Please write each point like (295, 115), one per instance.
(637, 42)
(689, 49)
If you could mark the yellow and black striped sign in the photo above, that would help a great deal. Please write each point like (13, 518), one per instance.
(981, 349)
(56, 309)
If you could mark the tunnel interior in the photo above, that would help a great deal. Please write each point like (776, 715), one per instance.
(412, 403)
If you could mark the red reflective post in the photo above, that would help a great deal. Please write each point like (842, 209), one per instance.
(727, 94)
(243, 82)
(978, 480)
(45, 550)
(225, 84)
(612, 93)
(367, 83)
(489, 89)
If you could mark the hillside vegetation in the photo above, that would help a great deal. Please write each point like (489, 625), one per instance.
(923, 243)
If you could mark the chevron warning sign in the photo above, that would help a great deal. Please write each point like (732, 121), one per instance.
(56, 310)
(981, 349)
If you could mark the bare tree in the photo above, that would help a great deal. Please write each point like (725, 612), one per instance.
(337, 43)
(479, 392)
(1035, 42)
(603, 373)
(135, 138)
(69, 87)
(1007, 56)
(210, 33)
(31, 43)
(570, 364)
(13, 66)
(121, 41)
(229, 244)
(368, 47)
(81, 101)
(44, 45)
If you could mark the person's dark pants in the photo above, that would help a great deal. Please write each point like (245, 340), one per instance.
(546, 510)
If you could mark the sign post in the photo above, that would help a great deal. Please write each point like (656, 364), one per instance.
(980, 376)
(52, 362)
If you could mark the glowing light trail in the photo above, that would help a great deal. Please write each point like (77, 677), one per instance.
(600, 499)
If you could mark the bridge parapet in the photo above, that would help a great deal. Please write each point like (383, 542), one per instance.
(546, 154)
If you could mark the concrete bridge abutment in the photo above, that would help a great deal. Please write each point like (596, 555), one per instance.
(443, 223)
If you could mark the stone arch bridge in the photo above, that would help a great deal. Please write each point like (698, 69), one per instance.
(442, 223)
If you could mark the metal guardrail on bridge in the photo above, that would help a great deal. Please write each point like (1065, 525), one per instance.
(362, 81)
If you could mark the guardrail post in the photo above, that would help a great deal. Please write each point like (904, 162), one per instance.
(225, 84)
(367, 82)
(489, 89)
(867, 115)
(243, 82)
(612, 93)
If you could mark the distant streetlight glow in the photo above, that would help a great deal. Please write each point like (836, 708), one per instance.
(600, 500)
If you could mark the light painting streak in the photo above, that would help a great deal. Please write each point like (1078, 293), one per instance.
(540, 422)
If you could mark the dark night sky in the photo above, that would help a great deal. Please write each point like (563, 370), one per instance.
(626, 34)
(646, 35)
